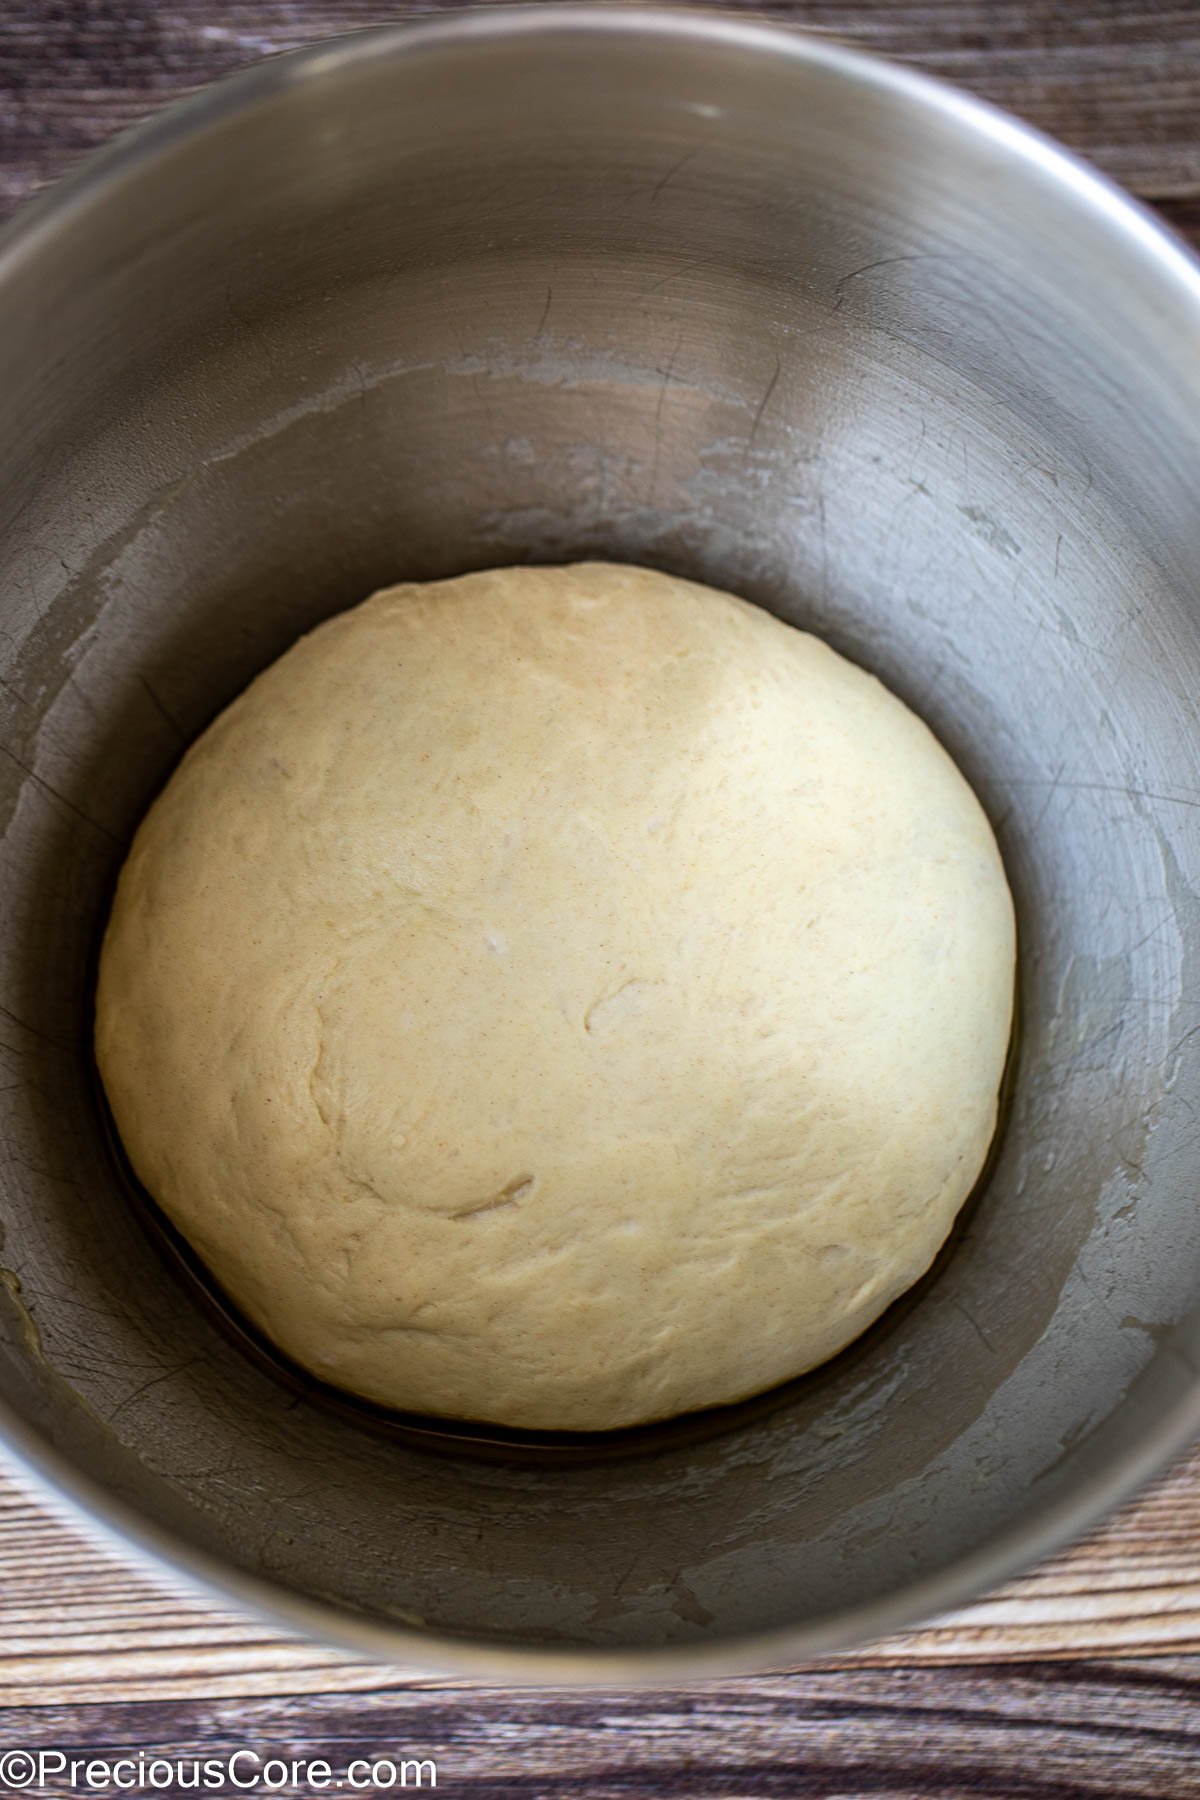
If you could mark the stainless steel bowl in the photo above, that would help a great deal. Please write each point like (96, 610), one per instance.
(565, 282)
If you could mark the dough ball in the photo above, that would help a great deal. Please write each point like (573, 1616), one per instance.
(561, 997)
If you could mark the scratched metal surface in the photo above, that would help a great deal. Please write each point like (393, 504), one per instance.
(1121, 83)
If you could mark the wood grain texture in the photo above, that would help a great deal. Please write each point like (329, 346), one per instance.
(79, 1622)
(1118, 80)
(1083, 1731)
(1075, 1683)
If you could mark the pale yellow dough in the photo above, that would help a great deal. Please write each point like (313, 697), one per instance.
(560, 997)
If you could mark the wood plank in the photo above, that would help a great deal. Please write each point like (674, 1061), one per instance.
(1082, 1731)
(1117, 80)
(97, 1650)
(82, 1623)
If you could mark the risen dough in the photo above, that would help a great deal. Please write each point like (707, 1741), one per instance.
(560, 997)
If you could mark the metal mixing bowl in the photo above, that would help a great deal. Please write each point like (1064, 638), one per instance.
(567, 282)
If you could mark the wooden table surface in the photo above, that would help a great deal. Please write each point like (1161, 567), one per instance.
(1080, 1680)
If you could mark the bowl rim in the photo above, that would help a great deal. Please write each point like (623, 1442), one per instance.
(84, 1503)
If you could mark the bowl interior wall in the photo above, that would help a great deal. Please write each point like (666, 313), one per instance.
(757, 321)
